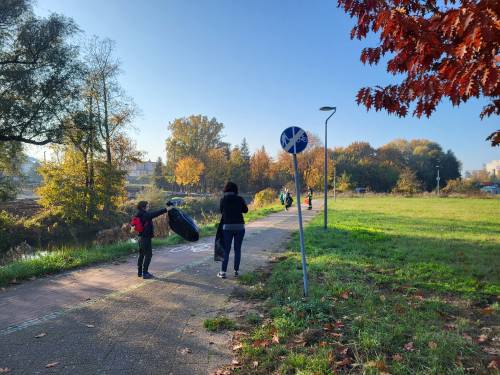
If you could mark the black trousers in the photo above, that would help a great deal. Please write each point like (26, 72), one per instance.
(145, 254)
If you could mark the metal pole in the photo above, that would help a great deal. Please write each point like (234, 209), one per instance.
(325, 207)
(335, 184)
(438, 178)
(301, 229)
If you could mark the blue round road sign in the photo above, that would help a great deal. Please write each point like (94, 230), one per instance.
(294, 140)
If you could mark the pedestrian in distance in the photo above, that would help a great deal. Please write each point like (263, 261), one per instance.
(232, 208)
(143, 225)
(282, 197)
(309, 198)
(288, 200)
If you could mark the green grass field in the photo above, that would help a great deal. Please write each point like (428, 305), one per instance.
(397, 285)
(66, 258)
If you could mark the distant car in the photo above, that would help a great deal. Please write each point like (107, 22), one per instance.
(490, 189)
(360, 190)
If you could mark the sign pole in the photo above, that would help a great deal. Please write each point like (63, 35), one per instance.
(301, 229)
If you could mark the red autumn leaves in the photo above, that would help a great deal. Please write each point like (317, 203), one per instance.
(444, 52)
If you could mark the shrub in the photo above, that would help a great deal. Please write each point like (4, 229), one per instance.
(460, 186)
(265, 197)
(408, 184)
(154, 196)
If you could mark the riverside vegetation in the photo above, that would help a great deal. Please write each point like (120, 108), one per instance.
(66, 258)
(397, 286)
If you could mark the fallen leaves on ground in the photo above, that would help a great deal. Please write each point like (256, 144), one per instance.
(237, 347)
(493, 365)
(43, 334)
(4, 370)
(482, 338)
(50, 365)
(432, 345)
(276, 339)
(235, 362)
(379, 365)
(345, 295)
(186, 351)
(488, 310)
(255, 364)
(409, 346)
(397, 357)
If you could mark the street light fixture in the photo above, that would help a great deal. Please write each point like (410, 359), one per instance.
(325, 215)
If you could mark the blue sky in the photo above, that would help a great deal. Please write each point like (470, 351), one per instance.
(258, 66)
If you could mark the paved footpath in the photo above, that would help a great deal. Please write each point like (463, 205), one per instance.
(105, 320)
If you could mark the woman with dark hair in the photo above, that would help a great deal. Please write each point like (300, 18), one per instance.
(232, 208)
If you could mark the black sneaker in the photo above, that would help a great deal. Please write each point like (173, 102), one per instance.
(139, 274)
(147, 275)
(221, 275)
(236, 274)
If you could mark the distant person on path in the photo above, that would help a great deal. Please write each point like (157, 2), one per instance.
(282, 197)
(145, 229)
(232, 208)
(288, 200)
(310, 198)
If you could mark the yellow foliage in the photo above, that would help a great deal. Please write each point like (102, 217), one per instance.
(188, 171)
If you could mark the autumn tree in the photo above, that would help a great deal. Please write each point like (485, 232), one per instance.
(216, 169)
(192, 136)
(281, 171)
(260, 166)
(238, 170)
(344, 183)
(188, 171)
(443, 50)
(408, 184)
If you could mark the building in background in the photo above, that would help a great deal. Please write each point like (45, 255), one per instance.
(493, 168)
(143, 169)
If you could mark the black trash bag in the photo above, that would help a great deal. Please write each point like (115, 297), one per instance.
(219, 244)
(183, 225)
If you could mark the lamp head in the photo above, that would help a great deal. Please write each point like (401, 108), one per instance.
(328, 109)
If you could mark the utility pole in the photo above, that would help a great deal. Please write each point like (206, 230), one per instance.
(334, 183)
(437, 179)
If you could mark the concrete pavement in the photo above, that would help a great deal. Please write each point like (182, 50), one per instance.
(105, 320)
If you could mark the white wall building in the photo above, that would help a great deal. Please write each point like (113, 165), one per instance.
(142, 169)
(493, 168)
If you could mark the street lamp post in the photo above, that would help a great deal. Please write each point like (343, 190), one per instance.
(325, 215)
(437, 179)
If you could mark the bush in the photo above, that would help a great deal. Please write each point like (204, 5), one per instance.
(265, 197)
(408, 184)
(460, 186)
(154, 196)
(202, 209)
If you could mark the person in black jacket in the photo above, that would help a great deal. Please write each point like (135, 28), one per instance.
(145, 247)
(232, 207)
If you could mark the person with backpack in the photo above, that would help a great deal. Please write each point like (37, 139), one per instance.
(288, 200)
(282, 197)
(143, 225)
(232, 208)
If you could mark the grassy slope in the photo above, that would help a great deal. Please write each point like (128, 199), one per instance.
(394, 272)
(70, 258)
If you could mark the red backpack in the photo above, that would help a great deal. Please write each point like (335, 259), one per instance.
(137, 224)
